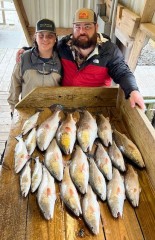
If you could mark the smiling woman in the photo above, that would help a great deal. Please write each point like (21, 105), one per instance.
(39, 66)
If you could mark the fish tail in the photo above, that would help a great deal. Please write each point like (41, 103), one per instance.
(56, 107)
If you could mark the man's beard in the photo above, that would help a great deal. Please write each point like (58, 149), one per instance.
(84, 44)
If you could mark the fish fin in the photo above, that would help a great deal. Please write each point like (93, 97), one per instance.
(39, 110)
(66, 163)
(56, 107)
(19, 136)
(89, 155)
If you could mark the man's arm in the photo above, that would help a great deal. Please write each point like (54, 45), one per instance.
(121, 74)
(20, 52)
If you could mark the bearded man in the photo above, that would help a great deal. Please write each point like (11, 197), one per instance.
(90, 59)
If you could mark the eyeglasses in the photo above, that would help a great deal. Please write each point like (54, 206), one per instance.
(46, 36)
(47, 68)
(44, 72)
(44, 68)
(85, 27)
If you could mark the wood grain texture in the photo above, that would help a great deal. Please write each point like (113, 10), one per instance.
(21, 217)
(143, 134)
(71, 96)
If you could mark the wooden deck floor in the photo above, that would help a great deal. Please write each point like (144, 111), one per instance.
(8, 49)
(7, 61)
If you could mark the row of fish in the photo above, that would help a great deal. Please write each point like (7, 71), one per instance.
(87, 131)
(88, 205)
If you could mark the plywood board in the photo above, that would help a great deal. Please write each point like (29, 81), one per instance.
(72, 96)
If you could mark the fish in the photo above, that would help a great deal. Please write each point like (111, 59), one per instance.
(53, 160)
(66, 134)
(132, 186)
(103, 161)
(116, 157)
(91, 210)
(31, 141)
(47, 130)
(97, 180)
(46, 195)
(87, 131)
(30, 123)
(128, 148)
(104, 130)
(25, 179)
(116, 194)
(79, 170)
(69, 194)
(36, 175)
(21, 155)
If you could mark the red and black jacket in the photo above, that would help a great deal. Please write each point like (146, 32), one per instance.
(98, 70)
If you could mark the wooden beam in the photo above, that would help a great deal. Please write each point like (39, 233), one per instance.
(139, 42)
(147, 11)
(23, 19)
(148, 29)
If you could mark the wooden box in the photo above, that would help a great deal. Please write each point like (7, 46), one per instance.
(20, 218)
(128, 22)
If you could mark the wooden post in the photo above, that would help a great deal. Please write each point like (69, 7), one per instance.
(147, 11)
(24, 22)
(3, 13)
(140, 40)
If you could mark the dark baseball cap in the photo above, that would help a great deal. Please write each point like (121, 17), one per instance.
(85, 15)
(45, 25)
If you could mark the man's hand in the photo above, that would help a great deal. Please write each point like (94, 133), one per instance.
(18, 54)
(136, 98)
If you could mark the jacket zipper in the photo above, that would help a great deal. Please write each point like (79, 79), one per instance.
(43, 74)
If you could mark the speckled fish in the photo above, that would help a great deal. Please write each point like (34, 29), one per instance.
(116, 157)
(103, 161)
(128, 148)
(69, 194)
(79, 170)
(36, 175)
(66, 134)
(53, 160)
(104, 130)
(116, 194)
(97, 180)
(91, 210)
(46, 195)
(132, 187)
(47, 130)
(87, 131)
(30, 123)
(25, 179)
(21, 155)
(31, 141)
